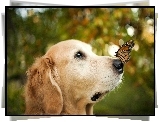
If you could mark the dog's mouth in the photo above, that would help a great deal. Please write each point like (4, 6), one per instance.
(98, 95)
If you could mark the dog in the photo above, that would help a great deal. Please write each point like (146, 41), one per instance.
(69, 79)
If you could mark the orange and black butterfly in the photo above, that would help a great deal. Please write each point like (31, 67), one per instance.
(124, 51)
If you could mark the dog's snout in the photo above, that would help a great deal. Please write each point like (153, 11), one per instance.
(118, 65)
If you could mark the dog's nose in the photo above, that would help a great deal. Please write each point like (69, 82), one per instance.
(118, 65)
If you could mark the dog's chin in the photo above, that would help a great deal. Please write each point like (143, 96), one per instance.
(98, 95)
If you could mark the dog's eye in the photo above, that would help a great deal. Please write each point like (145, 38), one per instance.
(79, 55)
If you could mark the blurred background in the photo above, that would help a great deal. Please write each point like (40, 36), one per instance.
(31, 31)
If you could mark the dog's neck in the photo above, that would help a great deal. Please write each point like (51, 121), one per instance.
(77, 108)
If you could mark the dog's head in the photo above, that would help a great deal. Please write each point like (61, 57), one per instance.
(83, 74)
(69, 79)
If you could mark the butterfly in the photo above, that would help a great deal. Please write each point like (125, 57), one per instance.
(123, 52)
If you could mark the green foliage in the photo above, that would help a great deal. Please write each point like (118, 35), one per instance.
(29, 37)
(15, 98)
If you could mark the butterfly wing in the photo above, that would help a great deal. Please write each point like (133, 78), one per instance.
(124, 51)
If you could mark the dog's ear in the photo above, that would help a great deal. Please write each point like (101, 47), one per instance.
(43, 94)
(48, 61)
(53, 98)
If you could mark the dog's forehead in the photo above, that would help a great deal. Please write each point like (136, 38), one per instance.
(68, 47)
(79, 45)
(74, 45)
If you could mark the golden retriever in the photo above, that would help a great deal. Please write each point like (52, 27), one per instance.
(69, 79)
